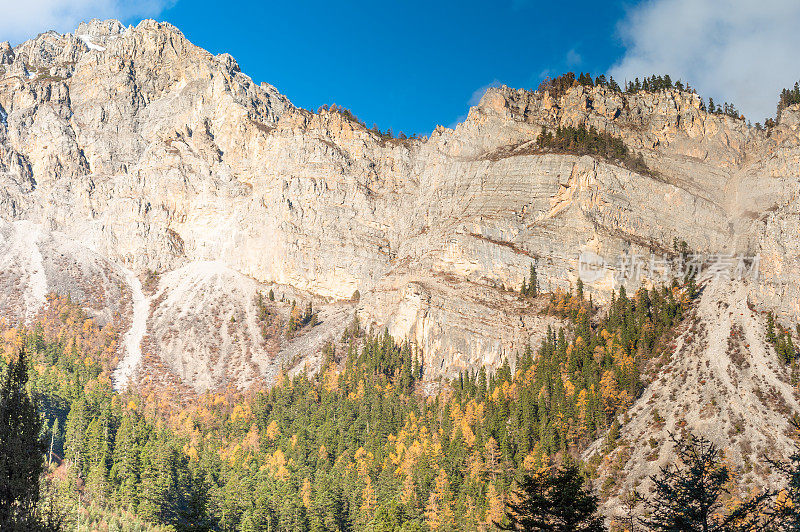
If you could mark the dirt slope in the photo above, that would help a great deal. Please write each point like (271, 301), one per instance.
(722, 381)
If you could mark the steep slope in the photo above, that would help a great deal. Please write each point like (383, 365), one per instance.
(204, 322)
(721, 380)
(35, 263)
(158, 155)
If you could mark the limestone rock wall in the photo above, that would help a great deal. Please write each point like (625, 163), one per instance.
(156, 154)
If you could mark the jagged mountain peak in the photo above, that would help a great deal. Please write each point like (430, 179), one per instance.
(158, 155)
(100, 28)
(153, 53)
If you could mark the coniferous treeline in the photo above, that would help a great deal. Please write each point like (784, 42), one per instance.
(588, 141)
(357, 446)
(788, 97)
(558, 86)
(727, 109)
(657, 83)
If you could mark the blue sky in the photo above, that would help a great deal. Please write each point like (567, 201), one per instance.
(410, 65)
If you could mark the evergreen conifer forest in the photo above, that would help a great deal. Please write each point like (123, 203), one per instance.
(358, 445)
(575, 308)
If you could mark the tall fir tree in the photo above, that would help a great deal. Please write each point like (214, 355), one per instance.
(688, 496)
(22, 450)
(558, 502)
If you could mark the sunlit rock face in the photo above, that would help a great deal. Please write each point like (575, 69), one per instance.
(154, 154)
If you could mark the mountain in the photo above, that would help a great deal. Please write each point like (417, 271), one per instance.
(151, 180)
(719, 378)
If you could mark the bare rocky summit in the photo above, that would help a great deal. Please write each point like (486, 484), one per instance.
(133, 148)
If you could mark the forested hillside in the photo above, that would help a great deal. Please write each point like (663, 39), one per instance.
(359, 446)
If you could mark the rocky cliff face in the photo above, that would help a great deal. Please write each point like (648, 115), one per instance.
(149, 153)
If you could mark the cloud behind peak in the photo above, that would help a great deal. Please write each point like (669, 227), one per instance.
(22, 20)
(739, 51)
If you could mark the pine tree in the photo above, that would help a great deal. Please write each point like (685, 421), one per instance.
(22, 449)
(493, 457)
(687, 496)
(191, 507)
(533, 282)
(55, 429)
(787, 505)
(125, 471)
(308, 313)
(439, 511)
(292, 514)
(771, 328)
(74, 442)
(332, 507)
(495, 507)
(158, 485)
(558, 503)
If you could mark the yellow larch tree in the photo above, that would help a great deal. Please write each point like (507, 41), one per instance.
(439, 510)
(495, 506)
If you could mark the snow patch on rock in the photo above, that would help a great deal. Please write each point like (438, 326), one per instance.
(87, 40)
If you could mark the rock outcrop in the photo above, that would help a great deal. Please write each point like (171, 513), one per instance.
(156, 155)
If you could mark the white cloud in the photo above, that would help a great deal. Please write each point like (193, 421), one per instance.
(573, 58)
(474, 99)
(740, 51)
(480, 91)
(23, 19)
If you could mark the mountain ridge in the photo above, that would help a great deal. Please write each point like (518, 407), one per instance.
(157, 154)
(236, 239)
